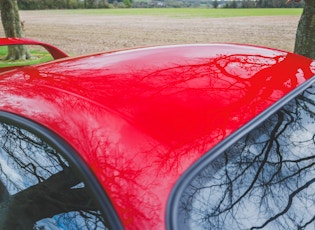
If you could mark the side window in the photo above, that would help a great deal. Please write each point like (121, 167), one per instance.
(40, 188)
(266, 180)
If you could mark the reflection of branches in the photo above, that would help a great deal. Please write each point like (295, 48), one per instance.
(289, 204)
(48, 198)
(18, 143)
(231, 181)
(43, 185)
(267, 177)
(258, 81)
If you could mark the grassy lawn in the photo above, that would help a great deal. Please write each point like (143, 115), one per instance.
(185, 12)
(37, 57)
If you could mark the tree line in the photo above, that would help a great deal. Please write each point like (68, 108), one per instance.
(257, 4)
(92, 4)
(71, 4)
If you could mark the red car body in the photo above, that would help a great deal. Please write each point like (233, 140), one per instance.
(140, 118)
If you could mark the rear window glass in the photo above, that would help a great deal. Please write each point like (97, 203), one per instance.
(266, 180)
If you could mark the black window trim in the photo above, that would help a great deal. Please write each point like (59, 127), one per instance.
(216, 151)
(63, 147)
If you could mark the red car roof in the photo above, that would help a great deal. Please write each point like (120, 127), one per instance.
(140, 118)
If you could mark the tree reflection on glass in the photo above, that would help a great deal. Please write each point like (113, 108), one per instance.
(39, 189)
(266, 180)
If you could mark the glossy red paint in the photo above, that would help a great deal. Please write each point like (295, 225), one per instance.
(140, 118)
(54, 51)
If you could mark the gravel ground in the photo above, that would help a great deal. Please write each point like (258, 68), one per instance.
(81, 34)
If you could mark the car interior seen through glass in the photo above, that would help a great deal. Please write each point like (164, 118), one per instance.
(263, 181)
(39, 188)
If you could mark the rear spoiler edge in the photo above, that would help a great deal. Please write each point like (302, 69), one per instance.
(54, 51)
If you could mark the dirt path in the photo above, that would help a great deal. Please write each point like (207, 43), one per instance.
(81, 34)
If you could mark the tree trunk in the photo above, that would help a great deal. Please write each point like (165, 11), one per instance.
(305, 35)
(46, 199)
(13, 28)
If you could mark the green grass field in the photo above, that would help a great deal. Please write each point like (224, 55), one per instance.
(37, 57)
(186, 12)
